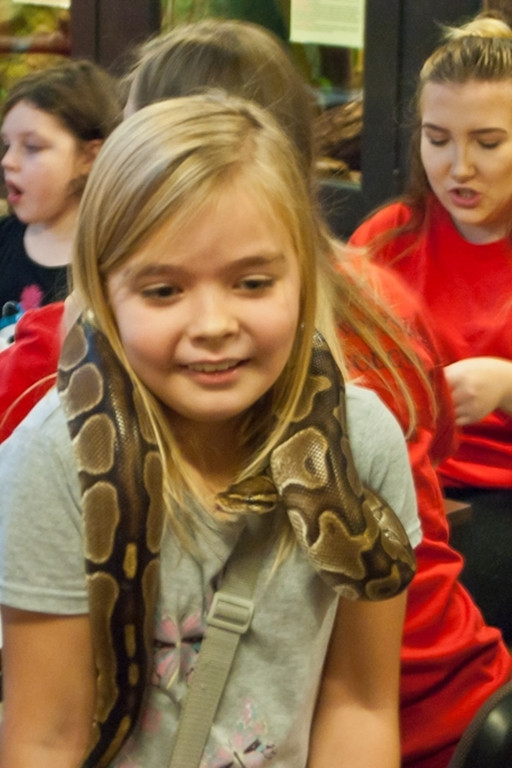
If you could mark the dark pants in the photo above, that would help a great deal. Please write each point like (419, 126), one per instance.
(486, 544)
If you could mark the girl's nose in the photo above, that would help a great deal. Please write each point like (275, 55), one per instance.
(9, 158)
(212, 317)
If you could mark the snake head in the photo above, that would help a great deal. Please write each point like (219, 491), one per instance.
(255, 495)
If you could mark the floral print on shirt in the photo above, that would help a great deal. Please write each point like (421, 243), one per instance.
(177, 645)
(246, 747)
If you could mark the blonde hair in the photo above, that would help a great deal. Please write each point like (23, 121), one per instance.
(168, 162)
(483, 25)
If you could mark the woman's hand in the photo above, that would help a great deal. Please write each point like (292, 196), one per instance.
(479, 385)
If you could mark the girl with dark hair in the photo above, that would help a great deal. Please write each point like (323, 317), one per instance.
(53, 124)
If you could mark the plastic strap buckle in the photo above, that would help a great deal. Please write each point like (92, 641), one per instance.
(230, 612)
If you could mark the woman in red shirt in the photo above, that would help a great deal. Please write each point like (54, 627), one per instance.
(450, 240)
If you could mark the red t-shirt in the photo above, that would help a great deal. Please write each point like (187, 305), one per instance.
(466, 288)
(27, 367)
(451, 661)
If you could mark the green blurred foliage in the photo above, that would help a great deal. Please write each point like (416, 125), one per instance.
(22, 21)
(268, 13)
(183, 11)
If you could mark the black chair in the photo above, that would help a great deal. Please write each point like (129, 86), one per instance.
(487, 741)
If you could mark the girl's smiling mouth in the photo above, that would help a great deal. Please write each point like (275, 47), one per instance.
(214, 367)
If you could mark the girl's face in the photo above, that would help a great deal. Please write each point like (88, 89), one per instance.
(41, 161)
(466, 149)
(208, 315)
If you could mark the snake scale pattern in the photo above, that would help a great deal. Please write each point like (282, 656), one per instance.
(350, 535)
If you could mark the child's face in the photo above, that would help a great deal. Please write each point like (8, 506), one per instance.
(466, 150)
(41, 160)
(208, 316)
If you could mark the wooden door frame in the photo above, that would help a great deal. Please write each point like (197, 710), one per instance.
(106, 30)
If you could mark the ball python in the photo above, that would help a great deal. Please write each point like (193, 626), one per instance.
(350, 535)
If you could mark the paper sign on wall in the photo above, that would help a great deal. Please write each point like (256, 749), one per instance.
(53, 3)
(328, 22)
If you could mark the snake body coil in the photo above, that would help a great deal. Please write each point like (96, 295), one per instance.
(121, 483)
(350, 535)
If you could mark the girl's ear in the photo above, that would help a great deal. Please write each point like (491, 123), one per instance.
(88, 153)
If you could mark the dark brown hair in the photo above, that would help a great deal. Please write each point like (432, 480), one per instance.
(82, 96)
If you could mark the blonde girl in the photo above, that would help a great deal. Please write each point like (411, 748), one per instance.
(196, 260)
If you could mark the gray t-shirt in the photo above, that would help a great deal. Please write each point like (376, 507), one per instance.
(267, 706)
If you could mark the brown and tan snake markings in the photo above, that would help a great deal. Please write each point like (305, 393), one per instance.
(350, 535)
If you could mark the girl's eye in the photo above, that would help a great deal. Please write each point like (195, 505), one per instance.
(489, 144)
(437, 141)
(157, 292)
(254, 284)
(32, 149)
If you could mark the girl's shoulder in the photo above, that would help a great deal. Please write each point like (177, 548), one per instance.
(365, 405)
(42, 432)
(380, 455)
(374, 431)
